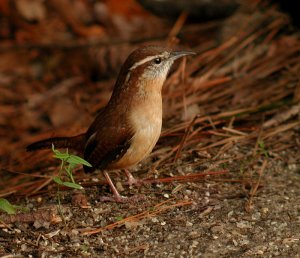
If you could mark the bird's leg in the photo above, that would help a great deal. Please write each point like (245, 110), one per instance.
(117, 197)
(132, 180)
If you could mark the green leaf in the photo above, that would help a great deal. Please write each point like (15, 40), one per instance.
(261, 145)
(72, 185)
(118, 218)
(71, 166)
(6, 206)
(54, 150)
(62, 156)
(57, 180)
(73, 159)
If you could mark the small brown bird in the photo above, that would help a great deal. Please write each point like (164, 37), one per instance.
(128, 127)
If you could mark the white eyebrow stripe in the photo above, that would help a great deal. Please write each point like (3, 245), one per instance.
(145, 60)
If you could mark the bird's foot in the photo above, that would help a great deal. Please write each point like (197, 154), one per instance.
(131, 180)
(136, 182)
(122, 199)
(117, 197)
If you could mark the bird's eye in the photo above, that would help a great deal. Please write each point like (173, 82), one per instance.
(157, 60)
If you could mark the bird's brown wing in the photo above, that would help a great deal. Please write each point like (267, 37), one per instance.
(107, 144)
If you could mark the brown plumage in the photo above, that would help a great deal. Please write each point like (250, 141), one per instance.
(128, 127)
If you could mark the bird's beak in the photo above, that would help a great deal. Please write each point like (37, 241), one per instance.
(177, 54)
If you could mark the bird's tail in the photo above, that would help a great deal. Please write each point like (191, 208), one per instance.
(76, 143)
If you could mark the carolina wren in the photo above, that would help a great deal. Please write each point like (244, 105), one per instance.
(128, 127)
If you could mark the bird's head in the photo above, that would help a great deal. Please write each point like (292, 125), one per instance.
(148, 65)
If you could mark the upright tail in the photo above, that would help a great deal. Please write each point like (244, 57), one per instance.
(76, 143)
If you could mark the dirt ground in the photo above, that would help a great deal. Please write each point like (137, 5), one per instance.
(213, 224)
